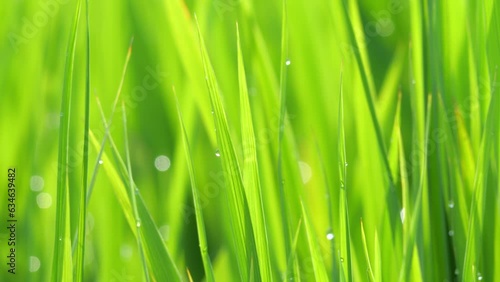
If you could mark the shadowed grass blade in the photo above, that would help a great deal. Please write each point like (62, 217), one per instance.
(345, 238)
(367, 256)
(238, 209)
(417, 212)
(62, 260)
(80, 242)
(133, 193)
(200, 223)
(318, 264)
(251, 173)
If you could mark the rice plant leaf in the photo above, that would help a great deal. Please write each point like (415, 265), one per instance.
(161, 263)
(318, 264)
(238, 208)
(345, 238)
(62, 265)
(133, 193)
(417, 212)
(367, 256)
(281, 128)
(200, 223)
(473, 248)
(251, 173)
(80, 242)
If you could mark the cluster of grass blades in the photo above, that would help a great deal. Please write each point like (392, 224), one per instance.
(389, 171)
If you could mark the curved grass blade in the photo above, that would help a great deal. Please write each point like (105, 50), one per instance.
(281, 130)
(80, 242)
(107, 124)
(62, 260)
(417, 213)
(367, 256)
(200, 224)
(345, 241)
(251, 173)
(392, 201)
(473, 246)
(133, 193)
(162, 266)
(317, 260)
(238, 209)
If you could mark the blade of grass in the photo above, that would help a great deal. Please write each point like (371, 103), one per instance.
(200, 224)
(367, 256)
(392, 201)
(377, 262)
(317, 260)
(475, 229)
(345, 243)
(251, 172)
(281, 129)
(417, 213)
(62, 260)
(163, 267)
(133, 193)
(107, 125)
(80, 242)
(238, 209)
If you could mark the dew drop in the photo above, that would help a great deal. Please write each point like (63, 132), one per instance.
(413, 81)
(402, 214)
(346, 164)
(341, 259)
(479, 276)
(217, 153)
(138, 224)
(342, 184)
(451, 204)
(457, 271)
(330, 236)
(101, 162)
(288, 62)
(451, 233)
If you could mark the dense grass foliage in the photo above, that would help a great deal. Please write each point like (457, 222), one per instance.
(237, 140)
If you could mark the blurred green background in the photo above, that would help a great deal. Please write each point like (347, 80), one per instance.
(393, 57)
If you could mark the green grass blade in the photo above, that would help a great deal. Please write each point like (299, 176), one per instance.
(62, 260)
(318, 264)
(251, 173)
(473, 249)
(281, 129)
(238, 209)
(163, 267)
(133, 193)
(367, 256)
(80, 242)
(392, 201)
(107, 124)
(200, 224)
(345, 239)
(416, 214)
